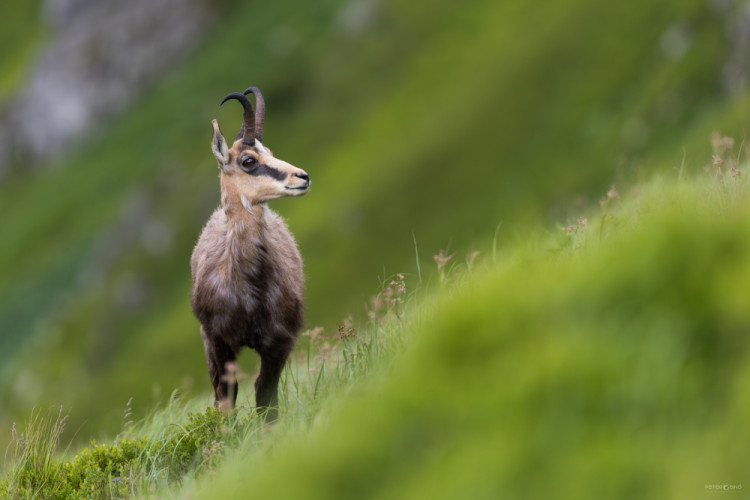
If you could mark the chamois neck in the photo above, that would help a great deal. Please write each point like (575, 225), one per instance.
(245, 227)
(238, 208)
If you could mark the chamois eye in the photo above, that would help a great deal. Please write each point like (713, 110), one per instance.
(248, 163)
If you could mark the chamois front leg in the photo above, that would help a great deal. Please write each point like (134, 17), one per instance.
(273, 356)
(218, 356)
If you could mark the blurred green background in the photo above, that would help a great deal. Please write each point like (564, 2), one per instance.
(611, 366)
(433, 122)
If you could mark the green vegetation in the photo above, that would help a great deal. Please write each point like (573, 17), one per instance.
(608, 359)
(611, 361)
(436, 127)
(117, 470)
(20, 31)
(181, 443)
(591, 360)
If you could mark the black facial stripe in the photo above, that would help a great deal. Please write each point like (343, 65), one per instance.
(259, 169)
(270, 172)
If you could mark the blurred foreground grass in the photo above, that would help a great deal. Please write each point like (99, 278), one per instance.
(613, 362)
(610, 359)
(421, 123)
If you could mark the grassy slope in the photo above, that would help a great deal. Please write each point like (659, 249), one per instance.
(610, 360)
(508, 114)
(610, 363)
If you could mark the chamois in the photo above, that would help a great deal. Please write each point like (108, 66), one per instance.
(246, 268)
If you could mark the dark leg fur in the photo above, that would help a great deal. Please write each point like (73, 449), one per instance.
(218, 354)
(273, 357)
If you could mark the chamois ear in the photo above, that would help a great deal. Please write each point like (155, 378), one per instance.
(219, 146)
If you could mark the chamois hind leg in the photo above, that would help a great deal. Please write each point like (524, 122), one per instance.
(218, 354)
(273, 356)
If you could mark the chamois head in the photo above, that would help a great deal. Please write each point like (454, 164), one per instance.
(249, 168)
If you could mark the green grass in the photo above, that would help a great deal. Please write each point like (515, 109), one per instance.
(606, 358)
(185, 442)
(431, 125)
(31, 457)
(611, 361)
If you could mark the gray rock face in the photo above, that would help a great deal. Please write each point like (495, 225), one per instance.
(735, 74)
(737, 68)
(101, 55)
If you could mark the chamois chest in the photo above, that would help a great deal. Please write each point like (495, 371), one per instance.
(247, 279)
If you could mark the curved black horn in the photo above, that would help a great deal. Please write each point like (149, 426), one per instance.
(260, 111)
(247, 130)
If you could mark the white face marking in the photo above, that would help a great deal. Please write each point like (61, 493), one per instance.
(260, 147)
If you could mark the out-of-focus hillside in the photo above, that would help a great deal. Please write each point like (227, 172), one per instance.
(609, 362)
(607, 359)
(432, 122)
(21, 30)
